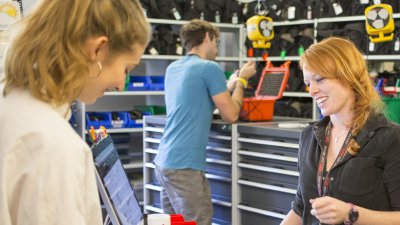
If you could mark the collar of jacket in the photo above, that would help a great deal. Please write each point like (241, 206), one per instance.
(373, 124)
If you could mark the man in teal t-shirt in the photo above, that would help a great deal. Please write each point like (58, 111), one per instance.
(194, 86)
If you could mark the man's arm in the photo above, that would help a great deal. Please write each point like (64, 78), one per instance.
(230, 106)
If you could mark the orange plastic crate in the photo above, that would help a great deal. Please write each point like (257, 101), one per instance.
(270, 88)
(257, 109)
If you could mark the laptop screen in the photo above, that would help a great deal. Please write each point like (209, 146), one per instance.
(115, 190)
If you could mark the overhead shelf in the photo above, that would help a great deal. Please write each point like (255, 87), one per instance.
(181, 22)
(296, 94)
(294, 22)
(130, 93)
(176, 57)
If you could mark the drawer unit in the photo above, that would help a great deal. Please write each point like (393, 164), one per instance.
(267, 195)
(220, 187)
(267, 174)
(251, 215)
(218, 168)
(251, 168)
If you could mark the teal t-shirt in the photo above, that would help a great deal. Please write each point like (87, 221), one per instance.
(189, 85)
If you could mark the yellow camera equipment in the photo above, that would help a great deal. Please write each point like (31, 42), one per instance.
(260, 29)
(379, 22)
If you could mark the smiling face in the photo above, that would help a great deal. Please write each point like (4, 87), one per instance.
(334, 98)
(112, 75)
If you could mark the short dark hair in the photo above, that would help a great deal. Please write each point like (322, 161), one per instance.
(193, 33)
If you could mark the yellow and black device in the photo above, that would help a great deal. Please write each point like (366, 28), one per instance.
(379, 22)
(260, 31)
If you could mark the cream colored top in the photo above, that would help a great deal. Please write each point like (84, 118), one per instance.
(47, 173)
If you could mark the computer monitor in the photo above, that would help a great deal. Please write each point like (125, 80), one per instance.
(115, 189)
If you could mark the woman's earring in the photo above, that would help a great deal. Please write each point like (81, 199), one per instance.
(100, 69)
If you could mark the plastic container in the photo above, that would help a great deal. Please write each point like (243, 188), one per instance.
(392, 109)
(156, 83)
(139, 83)
(271, 85)
(97, 119)
(257, 109)
(119, 119)
(146, 83)
(136, 121)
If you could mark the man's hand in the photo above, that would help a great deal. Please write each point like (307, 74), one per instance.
(232, 81)
(248, 70)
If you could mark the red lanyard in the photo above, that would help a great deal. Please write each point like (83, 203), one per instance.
(324, 184)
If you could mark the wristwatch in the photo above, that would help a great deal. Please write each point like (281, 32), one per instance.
(353, 215)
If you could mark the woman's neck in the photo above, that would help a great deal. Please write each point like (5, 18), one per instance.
(341, 124)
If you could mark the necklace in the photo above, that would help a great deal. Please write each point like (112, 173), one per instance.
(336, 137)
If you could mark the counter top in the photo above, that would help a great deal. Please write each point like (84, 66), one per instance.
(291, 126)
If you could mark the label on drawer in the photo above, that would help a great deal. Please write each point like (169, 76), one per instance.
(138, 84)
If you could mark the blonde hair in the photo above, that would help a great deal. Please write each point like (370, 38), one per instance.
(339, 58)
(48, 56)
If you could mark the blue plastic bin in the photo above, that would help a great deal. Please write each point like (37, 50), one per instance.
(136, 123)
(139, 83)
(146, 83)
(97, 119)
(156, 83)
(119, 119)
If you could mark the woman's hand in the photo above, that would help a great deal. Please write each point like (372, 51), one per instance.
(330, 210)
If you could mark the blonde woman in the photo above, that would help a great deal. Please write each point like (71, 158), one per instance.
(65, 50)
(349, 161)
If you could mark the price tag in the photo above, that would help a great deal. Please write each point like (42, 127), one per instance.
(176, 14)
(245, 9)
(397, 45)
(153, 51)
(217, 17)
(364, 2)
(202, 16)
(179, 50)
(371, 46)
(377, 2)
(337, 8)
(291, 12)
(309, 12)
(235, 19)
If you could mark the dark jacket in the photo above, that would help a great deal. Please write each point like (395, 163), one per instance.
(371, 179)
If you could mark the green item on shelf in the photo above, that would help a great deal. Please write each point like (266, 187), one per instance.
(159, 110)
(127, 81)
(301, 50)
(151, 109)
(283, 54)
(392, 110)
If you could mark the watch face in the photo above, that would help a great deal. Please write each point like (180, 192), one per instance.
(353, 215)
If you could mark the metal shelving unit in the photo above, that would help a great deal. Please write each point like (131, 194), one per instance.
(251, 167)
(218, 170)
